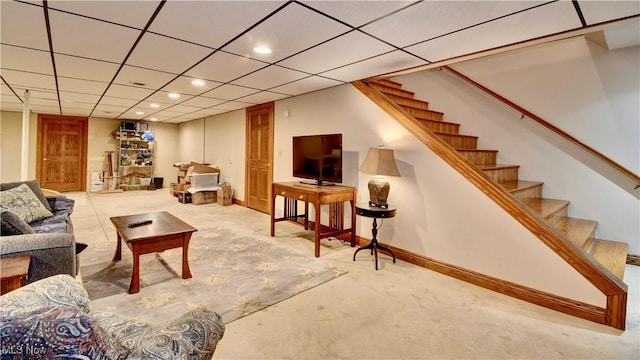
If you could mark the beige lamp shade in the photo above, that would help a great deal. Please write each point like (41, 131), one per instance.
(379, 162)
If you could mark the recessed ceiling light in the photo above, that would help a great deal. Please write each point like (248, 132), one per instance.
(154, 105)
(174, 95)
(153, 119)
(262, 50)
(197, 82)
(139, 113)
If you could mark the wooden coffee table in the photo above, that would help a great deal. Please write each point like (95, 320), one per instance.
(163, 233)
(13, 271)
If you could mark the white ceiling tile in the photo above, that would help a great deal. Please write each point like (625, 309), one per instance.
(224, 67)
(128, 92)
(345, 49)
(357, 13)
(36, 101)
(41, 94)
(14, 16)
(27, 80)
(207, 112)
(131, 115)
(183, 108)
(80, 36)
(118, 101)
(375, 66)
(28, 60)
(232, 105)
(130, 13)
(269, 77)
(291, 30)
(600, 11)
(103, 114)
(45, 109)
(165, 54)
(306, 85)
(85, 69)
(7, 97)
(81, 86)
(230, 92)
(183, 85)
(152, 79)
(165, 114)
(162, 98)
(263, 97)
(210, 23)
(430, 19)
(203, 102)
(559, 16)
(75, 111)
(110, 110)
(77, 97)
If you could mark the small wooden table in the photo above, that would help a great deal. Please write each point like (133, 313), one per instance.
(13, 271)
(318, 195)
(165, 232)
(367, 210)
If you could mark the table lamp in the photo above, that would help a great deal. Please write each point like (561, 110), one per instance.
(379, 162)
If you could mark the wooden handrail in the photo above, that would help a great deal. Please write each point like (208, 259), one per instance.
(548, 125)
(594, 272)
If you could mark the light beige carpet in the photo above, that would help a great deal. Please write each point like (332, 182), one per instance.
(236, 270)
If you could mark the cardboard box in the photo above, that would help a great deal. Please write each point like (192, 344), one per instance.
(184, 197)
(173, 189)
(225, 196)
(204, 197)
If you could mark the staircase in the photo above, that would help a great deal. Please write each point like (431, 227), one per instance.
(610, 255)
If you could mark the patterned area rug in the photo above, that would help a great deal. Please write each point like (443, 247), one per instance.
(235, 273)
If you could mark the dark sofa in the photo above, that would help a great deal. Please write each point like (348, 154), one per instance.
(50, 240)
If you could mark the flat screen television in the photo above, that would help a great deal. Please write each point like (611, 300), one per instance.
(318, 158)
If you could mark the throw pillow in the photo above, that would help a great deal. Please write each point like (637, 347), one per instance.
(22, 201)
(33, 185)
(48, 332)
(12, 224)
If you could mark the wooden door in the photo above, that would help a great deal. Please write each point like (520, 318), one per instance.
(259, 173)
(61, 160)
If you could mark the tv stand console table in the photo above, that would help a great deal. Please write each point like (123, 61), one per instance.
(318, 195)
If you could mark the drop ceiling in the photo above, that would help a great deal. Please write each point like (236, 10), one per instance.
(113, 59)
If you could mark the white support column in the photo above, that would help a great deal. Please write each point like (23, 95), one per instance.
(24, 163)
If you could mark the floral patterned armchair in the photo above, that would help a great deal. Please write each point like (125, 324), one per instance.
(52, 318)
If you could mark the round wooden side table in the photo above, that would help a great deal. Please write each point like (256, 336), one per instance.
(366, 210)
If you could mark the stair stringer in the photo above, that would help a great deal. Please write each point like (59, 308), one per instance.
(614, 314)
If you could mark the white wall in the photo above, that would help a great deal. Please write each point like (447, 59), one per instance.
(225, 148)
(567, 173)
(191, 138)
